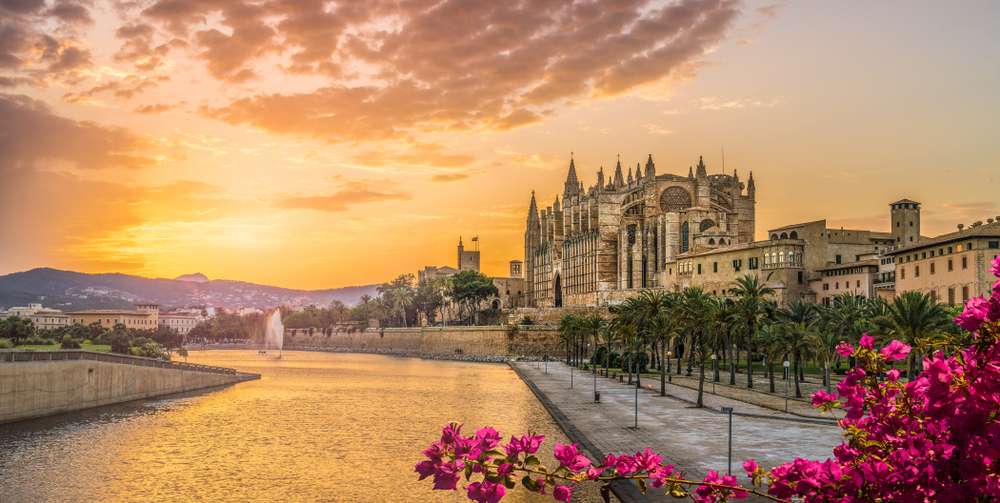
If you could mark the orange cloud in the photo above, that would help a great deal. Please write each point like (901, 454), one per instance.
(349, 194)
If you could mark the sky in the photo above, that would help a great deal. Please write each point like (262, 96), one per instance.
(316, 144)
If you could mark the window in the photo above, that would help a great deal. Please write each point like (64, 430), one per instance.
(826, 286)
(916, 271)
(836, 286)
(715, 267)
(800, 277)
(838, 259)
(932, 267)
(965, 262)
(951, 295)
(754, 262)
(859, 283)
(992, 244)
(951, 266)
(699, 268)
(902, 273)
(965, 294)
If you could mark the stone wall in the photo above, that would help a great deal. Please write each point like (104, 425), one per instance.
(490, 341)
(30, 389)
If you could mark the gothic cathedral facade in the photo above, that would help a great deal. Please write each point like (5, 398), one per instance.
(601, 244)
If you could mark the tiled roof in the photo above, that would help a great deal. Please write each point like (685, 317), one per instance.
(979, 231)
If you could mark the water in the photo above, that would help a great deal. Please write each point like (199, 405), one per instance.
(316, 427)
(274, 332)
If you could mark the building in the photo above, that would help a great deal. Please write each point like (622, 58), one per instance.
(952, 267)
(42, 318)
(143, 317)
(181, 323)
(852, 278)
(600, 245)
(516, 269)
(468, 260)
(619, 234)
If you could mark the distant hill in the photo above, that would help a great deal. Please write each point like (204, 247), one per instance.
(196, 278)
(74, 290)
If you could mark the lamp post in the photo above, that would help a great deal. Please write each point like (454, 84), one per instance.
(546, 360)
(670, 375)
(732, 366)
(729, 465)
(786, 364)
(636, 426)
(571, 377)
(713, 372)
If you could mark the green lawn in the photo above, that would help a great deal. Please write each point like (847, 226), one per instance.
(104, 348)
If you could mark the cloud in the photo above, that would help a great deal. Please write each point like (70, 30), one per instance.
(417, 154)
(658, 129)
(449, 177)
(124, 88)
(31, 133)
(41, 47)
(349, 194)
(714, 103)
(157, 108)
(395, 70)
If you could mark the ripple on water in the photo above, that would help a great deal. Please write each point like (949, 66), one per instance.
(315, 427)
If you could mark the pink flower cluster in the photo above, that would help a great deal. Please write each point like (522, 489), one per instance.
(482, 455)
(935, 438)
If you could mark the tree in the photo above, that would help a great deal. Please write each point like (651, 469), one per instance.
(916, 319)
(798, 326)
(16, 329)
(751, 295)
(696, 315)
(398, 295)
(469, 289)
(429, 297)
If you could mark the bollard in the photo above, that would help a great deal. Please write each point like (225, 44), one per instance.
(597, 397)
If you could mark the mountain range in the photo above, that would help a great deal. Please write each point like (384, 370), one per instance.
(68, 290)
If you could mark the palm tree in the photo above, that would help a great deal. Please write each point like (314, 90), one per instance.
(569, 327)
(799, 322)
(650, 312)
(770, 340)
(695, 316)
(916, 319)
(751, 295)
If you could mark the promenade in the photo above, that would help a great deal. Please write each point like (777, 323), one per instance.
(695, 440)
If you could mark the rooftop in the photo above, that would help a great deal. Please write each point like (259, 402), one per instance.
(847, 265)
(978, 231)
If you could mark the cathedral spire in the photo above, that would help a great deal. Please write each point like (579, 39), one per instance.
(619, 180)
(702, 172)
(555, 205)
(736, 175)
(638, 173)
(533, 208)
(630, 178)
(572, 185)
(650, 167)
(690, 172)
(600, 178)
(750, 185)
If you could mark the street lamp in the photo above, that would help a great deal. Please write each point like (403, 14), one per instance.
(636, 426)
(729, 465)
(713, 372)
(670, 375)
(786, 364)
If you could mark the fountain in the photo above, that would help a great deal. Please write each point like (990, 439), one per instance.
(274, 332)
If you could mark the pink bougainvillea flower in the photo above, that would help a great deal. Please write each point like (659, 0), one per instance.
(821, 398)
(485, 492)
(750, 467)
(867, 341)
(570, 457)
(487, 438)
(563, 493)
(976, 311)
(844, 349)
(995, 270)
(894, 351)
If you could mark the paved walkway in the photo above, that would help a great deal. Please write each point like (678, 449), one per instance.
(693, 439)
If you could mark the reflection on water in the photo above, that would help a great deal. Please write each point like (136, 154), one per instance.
(316, 427)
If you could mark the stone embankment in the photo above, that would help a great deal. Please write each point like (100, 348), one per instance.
(473, 343)
(42, 383)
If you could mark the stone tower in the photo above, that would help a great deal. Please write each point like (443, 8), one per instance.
(905, 218)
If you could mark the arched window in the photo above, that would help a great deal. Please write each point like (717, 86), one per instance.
(774, 237)
(707, 223)
(711, 241)
(784, 235)
(675, 199)
(767, 259)
(791, 258)
(794, 235)
(684, 235)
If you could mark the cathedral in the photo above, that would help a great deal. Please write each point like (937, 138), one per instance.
(597, 243)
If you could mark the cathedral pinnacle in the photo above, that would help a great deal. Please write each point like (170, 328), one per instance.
(702, 172)
(650, 167)
(533, 208)
(572, 185)
(690, 172)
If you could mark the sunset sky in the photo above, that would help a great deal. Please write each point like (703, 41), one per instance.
(316, 144)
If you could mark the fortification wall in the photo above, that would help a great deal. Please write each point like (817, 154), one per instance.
(439, 342)
(30, 389)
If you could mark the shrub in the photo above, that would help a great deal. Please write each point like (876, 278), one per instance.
(68, 342)
(6, 344)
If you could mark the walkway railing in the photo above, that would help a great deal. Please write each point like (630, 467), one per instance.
(14, 355)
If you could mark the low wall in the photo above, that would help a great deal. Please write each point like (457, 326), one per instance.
(31, 386)
(492, 341)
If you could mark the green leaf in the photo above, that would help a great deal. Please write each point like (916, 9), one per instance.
(528, 483)
(509, 483)
(642, 485)
(468, 471)
(531, 461)
(495, 453)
